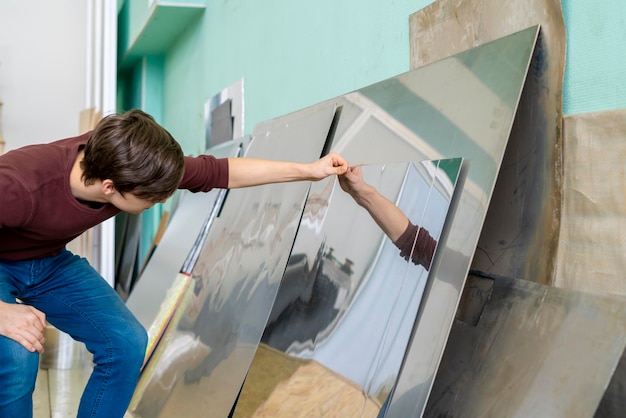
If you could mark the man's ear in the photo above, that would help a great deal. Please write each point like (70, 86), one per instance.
(107, 187)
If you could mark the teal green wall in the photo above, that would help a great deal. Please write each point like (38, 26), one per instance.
(595, 74)
(141, 87)
(293, 53)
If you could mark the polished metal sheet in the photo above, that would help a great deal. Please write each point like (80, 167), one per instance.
(537, 351)
(191, 213)
(200, 364)
(461, 106)
(521, 231)
(348, 300)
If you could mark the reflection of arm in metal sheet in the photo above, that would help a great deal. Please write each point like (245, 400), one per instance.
(413, 241)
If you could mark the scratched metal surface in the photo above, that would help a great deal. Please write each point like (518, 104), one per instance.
(521, 231)
(537, 351)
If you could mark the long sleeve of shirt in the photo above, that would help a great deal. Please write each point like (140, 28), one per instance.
(38, 213)
(204, 173)
(416, 243)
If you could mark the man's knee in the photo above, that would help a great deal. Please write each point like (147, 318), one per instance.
(133, 340)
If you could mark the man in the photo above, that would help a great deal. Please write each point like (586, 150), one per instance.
(50, 194)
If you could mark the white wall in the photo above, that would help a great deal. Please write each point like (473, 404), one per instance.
(43, 59)
(58, 58)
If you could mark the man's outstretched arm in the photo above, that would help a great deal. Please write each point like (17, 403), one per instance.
(246, 172)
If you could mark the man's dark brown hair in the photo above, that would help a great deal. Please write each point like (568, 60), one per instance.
(136, 153)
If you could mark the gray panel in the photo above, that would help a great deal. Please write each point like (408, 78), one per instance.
(128, 234)
(233, 116)
(521, 230)
(205, 353)
(348, 300)
(537, 351)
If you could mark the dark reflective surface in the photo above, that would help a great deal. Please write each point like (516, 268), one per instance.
(348, 300)
(537, 351)
(206, 350)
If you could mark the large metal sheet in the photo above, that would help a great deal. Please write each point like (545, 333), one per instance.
(463, 105)
(347, 302)
(537, 351)
(166, 275)
(205, 353)
(521, 231)
(191, 213)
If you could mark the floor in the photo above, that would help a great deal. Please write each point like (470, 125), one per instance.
(57, 392)
(64, 369)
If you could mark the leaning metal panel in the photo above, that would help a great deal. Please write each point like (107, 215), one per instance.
(460, 106)
(199, 366)
(167, 275)
(537, 351)
(521, 231)
(340, 324)
(192, 211)
(464, 106)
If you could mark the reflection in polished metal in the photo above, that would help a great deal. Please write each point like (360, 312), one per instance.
(156, 294)
(462, 106)
(217, 151)
(207, 348)
(537, 351)
(521, 231)
(348, 299)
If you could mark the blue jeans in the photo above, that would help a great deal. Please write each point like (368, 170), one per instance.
(78, 301)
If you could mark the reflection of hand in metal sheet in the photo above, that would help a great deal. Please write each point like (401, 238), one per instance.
(413, 241)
